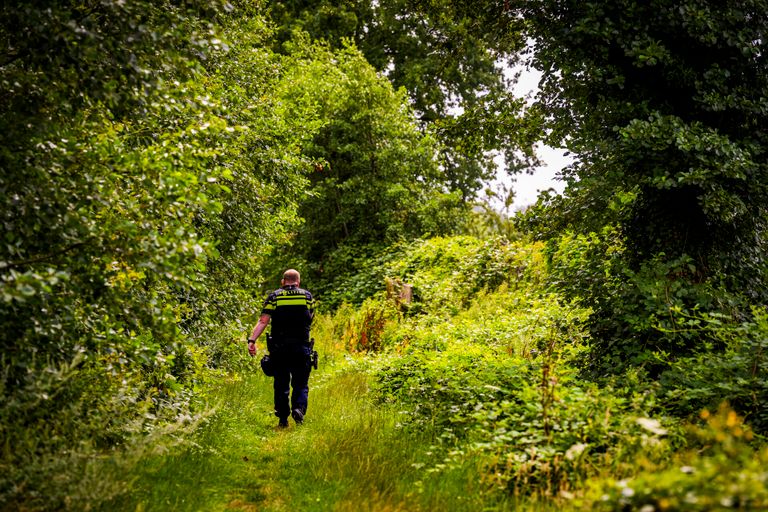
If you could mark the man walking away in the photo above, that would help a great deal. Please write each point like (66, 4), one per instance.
(290, 310)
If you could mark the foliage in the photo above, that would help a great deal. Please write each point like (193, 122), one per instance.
(444, 273)
(443, 276)
(688, 148)
(549, 440)
(499, 380)
(104, 168)
(661, 103)
(363, 328)
(96, 215)
(454, 80)
(375, 180)
(436, 58)
(720, 471)
(648, 317)
(157, 156)
(487, 220)
(499, 383)
(494, 378)
(732, 369)
(140, 167)
(266, 174)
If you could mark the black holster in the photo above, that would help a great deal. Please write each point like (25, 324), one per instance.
(313, 356)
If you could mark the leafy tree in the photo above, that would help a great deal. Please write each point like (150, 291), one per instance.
(453, 76)
(375, 180)
(143, 160)
(668, 108)
(663, 103)
(102, 165)
(266, 173)
(440, 62)
(102, 168)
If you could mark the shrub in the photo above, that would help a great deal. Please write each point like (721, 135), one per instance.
(733, 366)
(720, 470)
(557, 432)
(635, 307)
(446, 272)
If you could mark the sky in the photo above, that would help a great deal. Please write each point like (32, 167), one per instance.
(527, 187)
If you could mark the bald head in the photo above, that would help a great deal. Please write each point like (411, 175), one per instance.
(291, 276)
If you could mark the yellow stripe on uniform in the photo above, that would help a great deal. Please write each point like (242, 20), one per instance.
(291, 301)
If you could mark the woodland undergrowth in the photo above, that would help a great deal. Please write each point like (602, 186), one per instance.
(459, 386)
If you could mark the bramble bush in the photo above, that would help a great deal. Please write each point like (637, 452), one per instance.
(536, 427)
(497, 378)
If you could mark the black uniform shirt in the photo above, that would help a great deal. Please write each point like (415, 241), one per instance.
(291, 309)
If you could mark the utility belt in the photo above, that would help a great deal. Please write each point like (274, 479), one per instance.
(281, 346)
(281, 343)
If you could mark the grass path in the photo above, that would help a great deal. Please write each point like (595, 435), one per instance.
(348, 456)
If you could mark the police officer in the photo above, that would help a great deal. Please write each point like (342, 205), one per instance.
(291, 310)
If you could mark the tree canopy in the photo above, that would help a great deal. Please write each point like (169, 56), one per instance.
(375, 179)
(662, 104)
(453, 75)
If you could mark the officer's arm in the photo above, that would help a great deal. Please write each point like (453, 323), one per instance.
(311, 306)
(260, 326)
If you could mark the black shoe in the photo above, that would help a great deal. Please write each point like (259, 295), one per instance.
(283, 423)
(298, 416)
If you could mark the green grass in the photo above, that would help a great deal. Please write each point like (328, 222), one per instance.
(218, 466)
(348, 456)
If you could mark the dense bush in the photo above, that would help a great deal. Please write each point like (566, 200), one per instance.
(732, 367)
(639, 313)
(537, 427)
(500, 380)
(698, 340)
(719, 470)
(444, 272)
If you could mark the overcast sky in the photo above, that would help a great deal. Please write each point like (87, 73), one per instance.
(527, 187)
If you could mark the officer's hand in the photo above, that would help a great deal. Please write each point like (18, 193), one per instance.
(252, 349)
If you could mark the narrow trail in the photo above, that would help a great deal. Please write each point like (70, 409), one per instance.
(347, 456)
(339, 459)
(282, 469)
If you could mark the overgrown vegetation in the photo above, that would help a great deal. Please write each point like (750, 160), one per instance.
(428, 404)
(497, 375)
(604, 349)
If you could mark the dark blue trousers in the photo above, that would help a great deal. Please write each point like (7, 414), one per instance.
(292, 371)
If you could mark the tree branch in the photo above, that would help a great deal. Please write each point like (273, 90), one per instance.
(39, 259)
